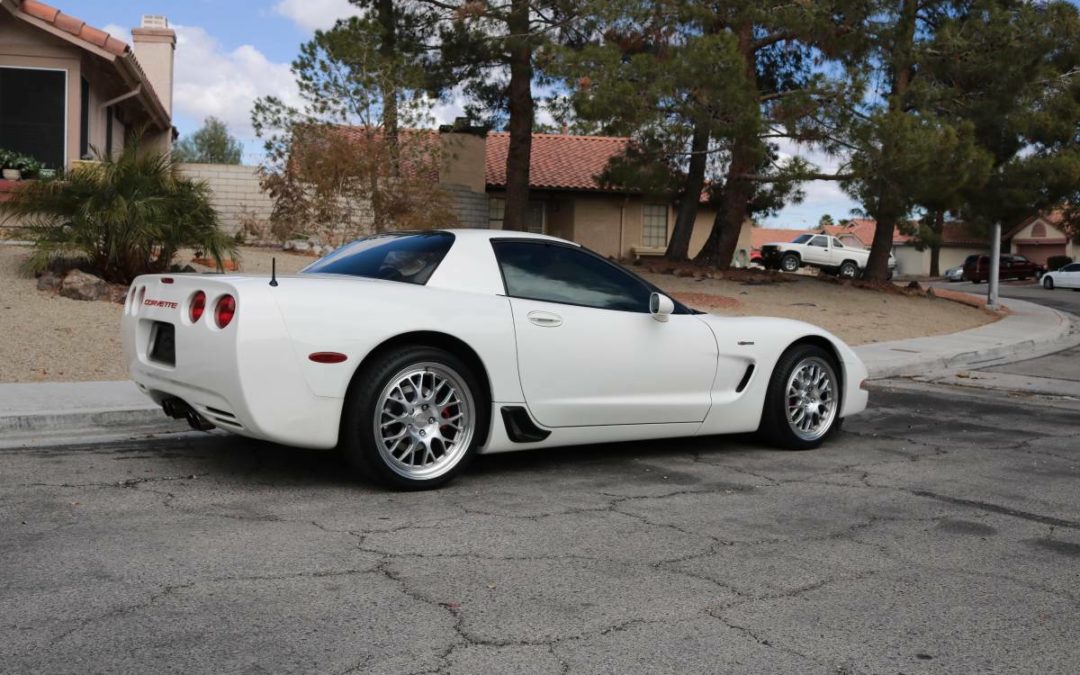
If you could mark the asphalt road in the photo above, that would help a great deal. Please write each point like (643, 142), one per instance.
(1063, 299)
(940, 533)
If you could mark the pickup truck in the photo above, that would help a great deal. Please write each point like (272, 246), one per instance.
(822, 251)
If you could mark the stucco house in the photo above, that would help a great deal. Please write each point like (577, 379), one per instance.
(68, 89)
(1041, 237)
(566, 199)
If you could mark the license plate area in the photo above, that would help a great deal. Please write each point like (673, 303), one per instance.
(162, 343)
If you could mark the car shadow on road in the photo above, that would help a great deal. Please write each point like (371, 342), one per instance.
(242, 460)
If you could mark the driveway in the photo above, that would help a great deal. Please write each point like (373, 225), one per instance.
(940, 533)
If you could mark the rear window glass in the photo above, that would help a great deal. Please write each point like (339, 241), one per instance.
(410, 258)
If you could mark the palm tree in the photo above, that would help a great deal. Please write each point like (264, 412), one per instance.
(119, 217)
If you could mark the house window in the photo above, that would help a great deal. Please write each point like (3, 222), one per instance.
(84, 121)
(654, 225)
(33, 108)
(535, 215)
(496, 209)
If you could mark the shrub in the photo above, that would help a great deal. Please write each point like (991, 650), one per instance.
(120, 217)
(1056, 262)
(27, 165)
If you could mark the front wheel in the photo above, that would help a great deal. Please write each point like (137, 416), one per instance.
(789, 263)
(1048, 283)
(802, 403)
(411, 418)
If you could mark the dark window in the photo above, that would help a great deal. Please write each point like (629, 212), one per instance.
(801, 239)
(568, 275)
(1075, 267)
(84, 120)
(818, 241)
(411, 258)
(32, 106)
(108, 131)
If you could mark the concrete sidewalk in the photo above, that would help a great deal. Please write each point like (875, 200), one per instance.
(32, 413)
(1026, 332)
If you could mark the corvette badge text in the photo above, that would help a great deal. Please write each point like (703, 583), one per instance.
(150, 302)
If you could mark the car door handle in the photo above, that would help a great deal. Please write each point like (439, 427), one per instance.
(545, 319)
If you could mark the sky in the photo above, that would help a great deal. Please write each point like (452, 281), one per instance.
(230, 52)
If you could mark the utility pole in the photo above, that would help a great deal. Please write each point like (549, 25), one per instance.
(995, 269)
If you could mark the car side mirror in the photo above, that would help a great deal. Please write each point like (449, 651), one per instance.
(661, 306)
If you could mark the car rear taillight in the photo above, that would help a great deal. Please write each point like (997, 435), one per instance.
(225, 311)
(197, 306)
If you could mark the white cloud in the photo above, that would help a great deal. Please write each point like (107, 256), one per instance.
(118, 32)
(312, 15)
(210, 80)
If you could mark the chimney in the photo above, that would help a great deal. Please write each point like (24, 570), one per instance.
(154, 45)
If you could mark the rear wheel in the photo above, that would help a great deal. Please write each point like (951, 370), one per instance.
(1048, 283)
(790, 262)
(802, 403)
(848, 269)
(412, 417)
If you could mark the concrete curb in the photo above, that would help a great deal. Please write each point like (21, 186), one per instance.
(1028, 331)
(33, 413)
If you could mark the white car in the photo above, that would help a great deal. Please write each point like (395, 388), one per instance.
(1066, 277)
(821, 251)
(413, 351)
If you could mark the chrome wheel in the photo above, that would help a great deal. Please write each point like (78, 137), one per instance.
(811, 398)
(848, 270)
(424, 421)
(789, 263)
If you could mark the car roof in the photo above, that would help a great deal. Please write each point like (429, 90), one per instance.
(479, 233)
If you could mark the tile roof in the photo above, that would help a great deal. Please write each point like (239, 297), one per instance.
(1053, 218)
(557, 161)
(76, 27)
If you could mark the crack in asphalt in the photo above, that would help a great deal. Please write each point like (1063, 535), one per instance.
(994, 508)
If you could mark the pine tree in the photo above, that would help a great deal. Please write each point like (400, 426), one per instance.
(211, 144)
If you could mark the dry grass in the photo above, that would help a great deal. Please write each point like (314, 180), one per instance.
(45, 337)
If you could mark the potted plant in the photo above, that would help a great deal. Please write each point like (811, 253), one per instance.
(28, 166)
(7, 165)
(15, 166)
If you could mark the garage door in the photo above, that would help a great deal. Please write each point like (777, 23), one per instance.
(1039, 253)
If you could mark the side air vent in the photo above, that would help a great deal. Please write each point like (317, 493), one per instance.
(520, 427)
(745, 378)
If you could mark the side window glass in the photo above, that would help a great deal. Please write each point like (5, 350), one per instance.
(837, 243)
(818, 241)
(556, 273)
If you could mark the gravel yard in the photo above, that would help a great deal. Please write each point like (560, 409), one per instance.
(45, 337)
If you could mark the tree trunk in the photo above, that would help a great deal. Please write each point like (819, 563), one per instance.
(890, 210)
(388, 49)
(520, 104)
(738, 192)
(679, 247)
(877, 267)
(937, 225)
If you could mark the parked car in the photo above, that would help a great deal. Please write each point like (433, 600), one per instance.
(955, 273)
(413, 351)
(977, 268)
(1066, 277)
(821, 251)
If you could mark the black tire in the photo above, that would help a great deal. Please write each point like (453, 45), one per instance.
(357, 439)
(848, 270)
(1048, 283)
(790, 262)
(774, 428)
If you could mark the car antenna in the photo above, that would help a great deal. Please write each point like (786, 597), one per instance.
(273, 271)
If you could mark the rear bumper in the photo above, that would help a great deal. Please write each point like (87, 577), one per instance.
(244, 378)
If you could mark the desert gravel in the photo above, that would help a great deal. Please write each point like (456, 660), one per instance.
(48, 338)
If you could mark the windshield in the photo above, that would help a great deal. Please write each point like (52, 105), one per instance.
(802, 239)
(407, 257)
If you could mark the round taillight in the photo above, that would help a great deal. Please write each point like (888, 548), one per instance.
(226, 310)
(197, 306)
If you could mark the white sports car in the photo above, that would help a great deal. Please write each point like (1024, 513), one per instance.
(413, 351)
